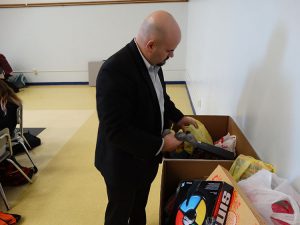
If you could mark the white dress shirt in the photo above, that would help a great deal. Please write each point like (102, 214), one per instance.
(153, 73)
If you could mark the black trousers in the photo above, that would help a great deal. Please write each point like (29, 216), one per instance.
(128, 194)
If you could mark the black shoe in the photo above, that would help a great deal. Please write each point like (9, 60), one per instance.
(16, 216)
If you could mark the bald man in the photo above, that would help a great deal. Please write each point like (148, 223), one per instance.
(134, 109)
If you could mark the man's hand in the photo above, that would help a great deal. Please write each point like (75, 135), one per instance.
(185, 121)
(170, 143)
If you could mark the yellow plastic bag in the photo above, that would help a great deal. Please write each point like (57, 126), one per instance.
(244, 166)
(200, 133)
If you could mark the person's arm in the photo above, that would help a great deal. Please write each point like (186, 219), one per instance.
(172, 113)
(10, 119)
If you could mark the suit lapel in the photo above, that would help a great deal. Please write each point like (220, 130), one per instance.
(162, 80)
(143, 69)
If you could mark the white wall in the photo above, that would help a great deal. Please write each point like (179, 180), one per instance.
(59, 41)
(243, 61)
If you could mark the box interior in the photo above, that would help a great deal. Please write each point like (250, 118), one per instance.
(219, 126)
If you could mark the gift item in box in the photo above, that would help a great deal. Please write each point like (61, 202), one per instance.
(175, 171)
(202, 148)
(201, 202)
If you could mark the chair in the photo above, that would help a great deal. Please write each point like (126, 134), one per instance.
(6, 153)
(19, 136)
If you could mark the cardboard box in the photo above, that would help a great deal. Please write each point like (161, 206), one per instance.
(219, 126)
(241, 211)
(174, 171)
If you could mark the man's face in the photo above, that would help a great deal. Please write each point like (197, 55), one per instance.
(161, 50)
(162, 53)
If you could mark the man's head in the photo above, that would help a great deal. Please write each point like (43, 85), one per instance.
(158, 37)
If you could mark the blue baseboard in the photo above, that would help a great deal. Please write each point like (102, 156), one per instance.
(57, 83)
(175, 82)
(183, 82)
(86, 83)
(193, 108)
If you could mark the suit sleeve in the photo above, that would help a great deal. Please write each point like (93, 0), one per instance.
(172, 114)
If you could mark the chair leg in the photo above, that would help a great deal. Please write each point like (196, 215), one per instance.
(4, 197)
(26, 140)
(20, 170)
(28, 155)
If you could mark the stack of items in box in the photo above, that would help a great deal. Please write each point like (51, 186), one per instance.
(174, 171)
(198, 144)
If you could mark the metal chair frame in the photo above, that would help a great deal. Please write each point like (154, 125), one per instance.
(5, 144)
(20, 132)
(19, 136)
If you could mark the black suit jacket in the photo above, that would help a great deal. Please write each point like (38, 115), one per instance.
(129, 114)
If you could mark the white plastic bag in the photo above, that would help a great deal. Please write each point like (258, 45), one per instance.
(265, 188)
(228, 142)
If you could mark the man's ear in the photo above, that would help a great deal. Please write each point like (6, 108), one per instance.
(150, 45)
